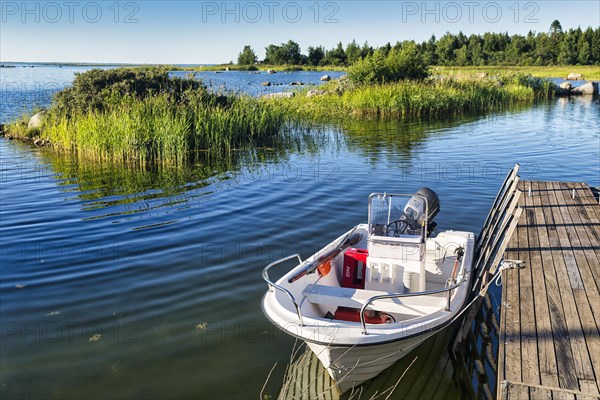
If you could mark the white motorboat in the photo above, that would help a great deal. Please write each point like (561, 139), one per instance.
(378, 291)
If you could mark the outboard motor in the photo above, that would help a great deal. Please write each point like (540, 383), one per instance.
(415, 208)
(433, 202)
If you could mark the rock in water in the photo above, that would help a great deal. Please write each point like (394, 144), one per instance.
(35, 122)
(586, 88)
(266, 83)
(325, 78)
(279, 95)
(574, 77)
(271, 71)
(565, 85)
(559, 91)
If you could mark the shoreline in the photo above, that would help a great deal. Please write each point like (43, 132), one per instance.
(201, 120)
(589, 72)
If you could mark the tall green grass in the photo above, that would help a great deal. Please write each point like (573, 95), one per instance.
(588, 71)
(158, 128)
(144, 115)
(410, 100)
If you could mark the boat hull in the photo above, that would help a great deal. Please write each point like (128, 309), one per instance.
(304, 305)
(351, 366)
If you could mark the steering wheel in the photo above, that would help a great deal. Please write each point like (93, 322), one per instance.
(397, 227)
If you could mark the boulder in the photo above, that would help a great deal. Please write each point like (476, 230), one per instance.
(35, 122)
(565, 85)
(227, 69)
(266, 83)
(559, 91)
(574, 77)
(315, 92)
(586, 88)
(271, 71)
(325, 78)
(1, 129)
(296, 83)
(278, 95)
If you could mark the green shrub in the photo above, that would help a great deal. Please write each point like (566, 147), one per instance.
(397, 65)
(96, 89)
(144, 114)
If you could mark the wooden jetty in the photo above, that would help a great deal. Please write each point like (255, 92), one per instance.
(550, 316)
(549, 330)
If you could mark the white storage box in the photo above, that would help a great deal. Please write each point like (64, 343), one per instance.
(384, 274)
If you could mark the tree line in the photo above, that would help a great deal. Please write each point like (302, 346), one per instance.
(555, 47)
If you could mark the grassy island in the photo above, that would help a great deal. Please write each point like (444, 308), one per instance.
(144, 114)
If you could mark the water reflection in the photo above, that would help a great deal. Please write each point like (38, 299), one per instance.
(151, 253)
(127, 189)
(105, 184)
(438, 369)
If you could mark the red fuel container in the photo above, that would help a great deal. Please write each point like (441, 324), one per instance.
(353, 315)
(353, 273)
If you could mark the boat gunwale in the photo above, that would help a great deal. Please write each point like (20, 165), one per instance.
(437, 327)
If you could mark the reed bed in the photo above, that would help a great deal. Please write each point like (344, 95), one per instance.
(145, 115)
(156, 128)
(413, 100)
(588, 71)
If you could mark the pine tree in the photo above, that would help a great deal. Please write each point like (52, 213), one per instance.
(247, 56)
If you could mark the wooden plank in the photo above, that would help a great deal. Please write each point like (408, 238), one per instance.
(538, 360)
(555, 349)
(583, 365)
(588, 387)
(506, 206)
(586, 269)
(516, 392)
(589, 315)
(511, 318)
(586, 199)
(555, 297)
(575, 257)
(500, 247)
(589, 238)
(504, 189)
(585, 253)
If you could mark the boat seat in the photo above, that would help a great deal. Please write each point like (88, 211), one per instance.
(417, 306)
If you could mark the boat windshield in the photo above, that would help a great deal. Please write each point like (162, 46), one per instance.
(397, 215)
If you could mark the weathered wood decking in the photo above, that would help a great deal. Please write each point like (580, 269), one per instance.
(550, 314)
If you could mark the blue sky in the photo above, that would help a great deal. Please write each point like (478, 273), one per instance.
(215, 31)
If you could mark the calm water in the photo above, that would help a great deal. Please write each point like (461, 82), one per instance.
(145, 282)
